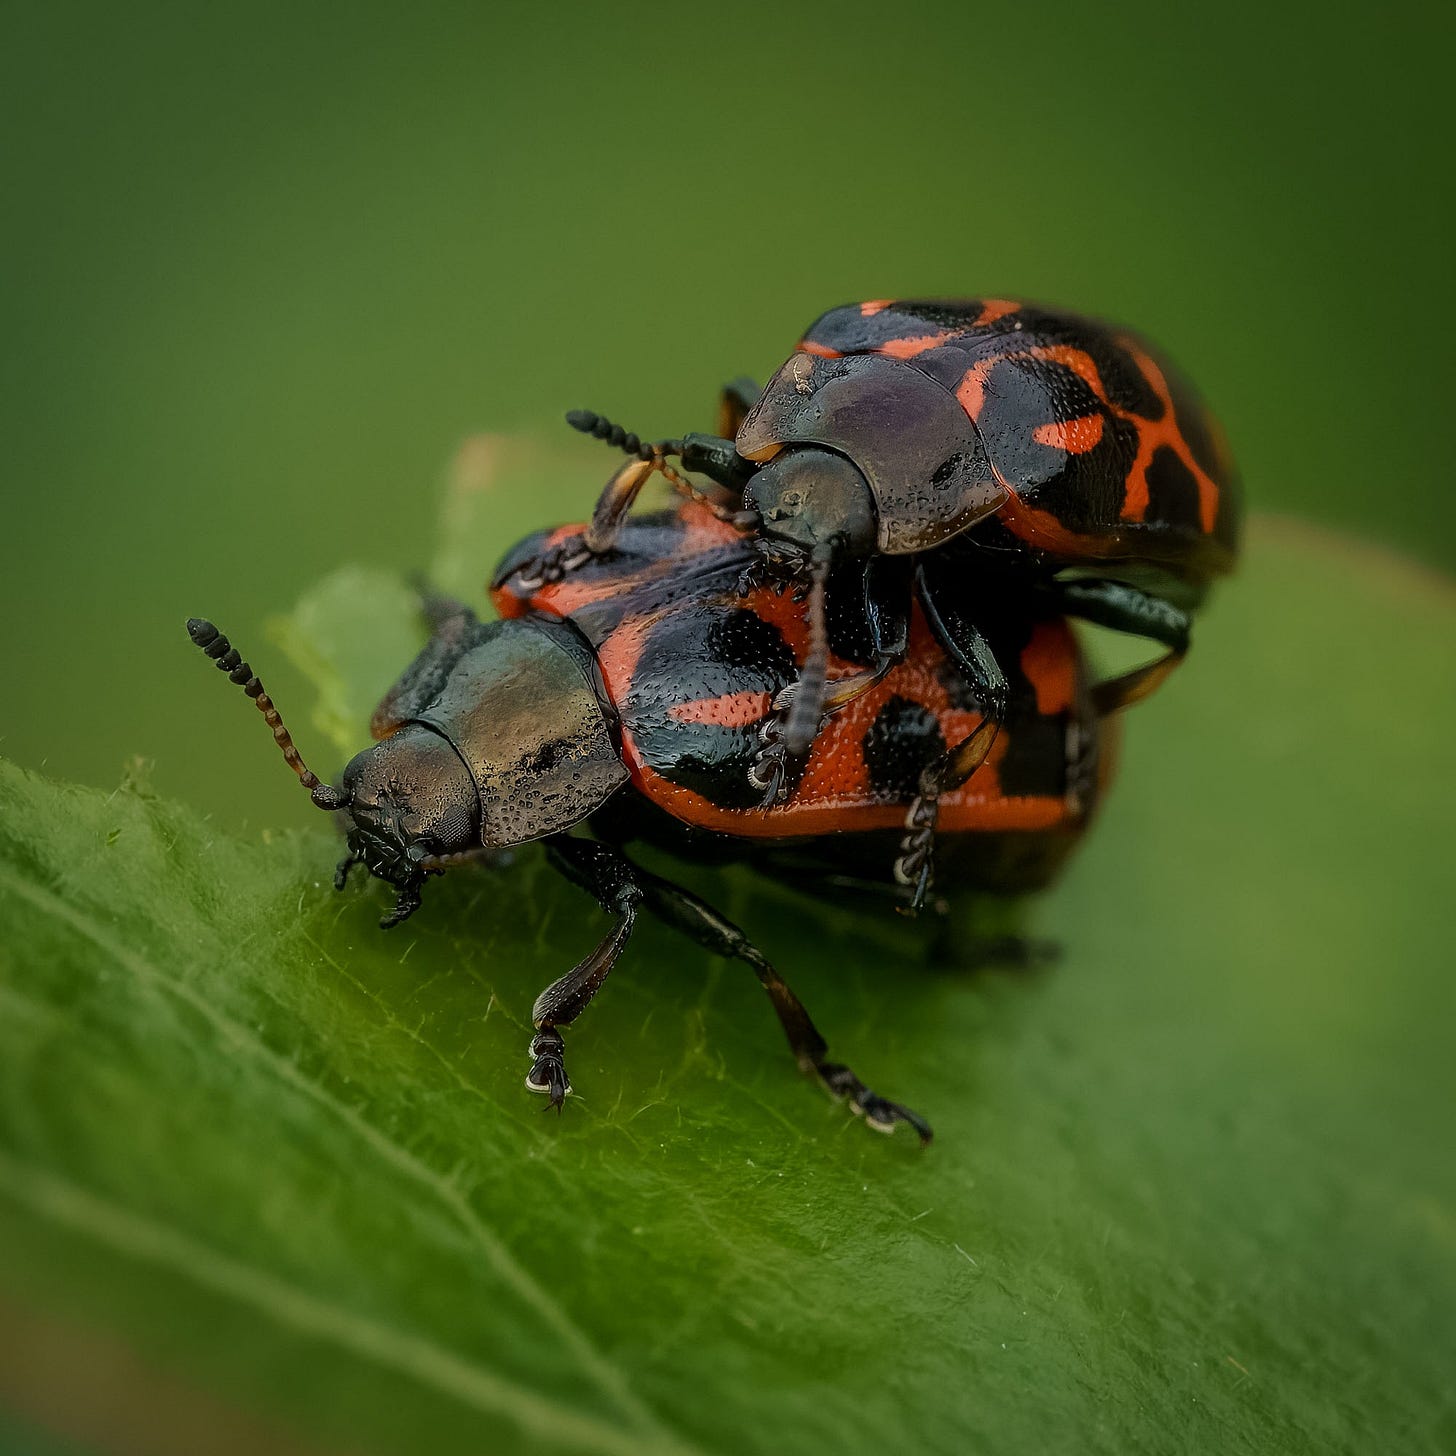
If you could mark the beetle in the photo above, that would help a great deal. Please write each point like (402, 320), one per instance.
(622, 703)
(931, 440)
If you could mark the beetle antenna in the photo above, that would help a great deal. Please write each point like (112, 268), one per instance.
(599, 427)
(655, 453)
(807, 706)
(227, 659)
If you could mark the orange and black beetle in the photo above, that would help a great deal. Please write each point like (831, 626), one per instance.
(630, 697)
(940, 443)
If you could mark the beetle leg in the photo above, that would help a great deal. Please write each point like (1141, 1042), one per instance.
(1125, 608)
(808, 704)
(915, 867)
(1123, 691)
(958, 634)
(454, 629)
(615, 501)
(697, 920)
(612, 880)
(887, 625)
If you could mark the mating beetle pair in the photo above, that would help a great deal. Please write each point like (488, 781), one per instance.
(648, 668)
(898, 431)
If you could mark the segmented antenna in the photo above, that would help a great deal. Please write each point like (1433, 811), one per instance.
(227, 659)
(599, 427)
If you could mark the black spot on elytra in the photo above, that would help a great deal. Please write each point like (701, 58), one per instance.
(900, 742)
(1035, 761)
(739, 639)
(942, 313)
(708, 650)
(702, 652)
(1172, 490)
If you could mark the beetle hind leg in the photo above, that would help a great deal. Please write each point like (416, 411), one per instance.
(1126, 608)
(878, 1112)
(697, 920)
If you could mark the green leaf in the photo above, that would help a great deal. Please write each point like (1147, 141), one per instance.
(1192, 1190)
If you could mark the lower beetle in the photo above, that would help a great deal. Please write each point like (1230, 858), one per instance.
(628, 698)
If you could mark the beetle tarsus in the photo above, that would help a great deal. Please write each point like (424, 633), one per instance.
(770, 767)
(878, 1112)
(341, 870)
(915, 866)
(548, 1071)
(551, 566)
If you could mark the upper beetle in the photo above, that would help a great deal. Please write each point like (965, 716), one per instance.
(919, 443)
(628, 700)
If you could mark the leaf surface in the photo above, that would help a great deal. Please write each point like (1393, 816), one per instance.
(1192, 1190)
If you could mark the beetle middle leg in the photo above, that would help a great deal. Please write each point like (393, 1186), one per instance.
(915, 866)
(697, 920)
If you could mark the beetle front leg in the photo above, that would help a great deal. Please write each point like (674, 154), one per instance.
(801, 709)
(616, 500)
(612, 879)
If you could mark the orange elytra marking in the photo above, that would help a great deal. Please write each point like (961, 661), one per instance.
(1072, 358)
(909, 348)
(993, 309)
(823, 351)
(874, 306)
(1044, 531)
(703, 530)
(1050, 667)
(1152, 434)
(1076, 437)
(1085, 433)
(971, 391)
(730, 710)
(571, 594)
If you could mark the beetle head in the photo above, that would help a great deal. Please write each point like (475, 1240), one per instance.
(811, 500)
(408, 802)
(515, 745)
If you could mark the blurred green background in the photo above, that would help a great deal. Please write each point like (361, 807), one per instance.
(266, 266)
